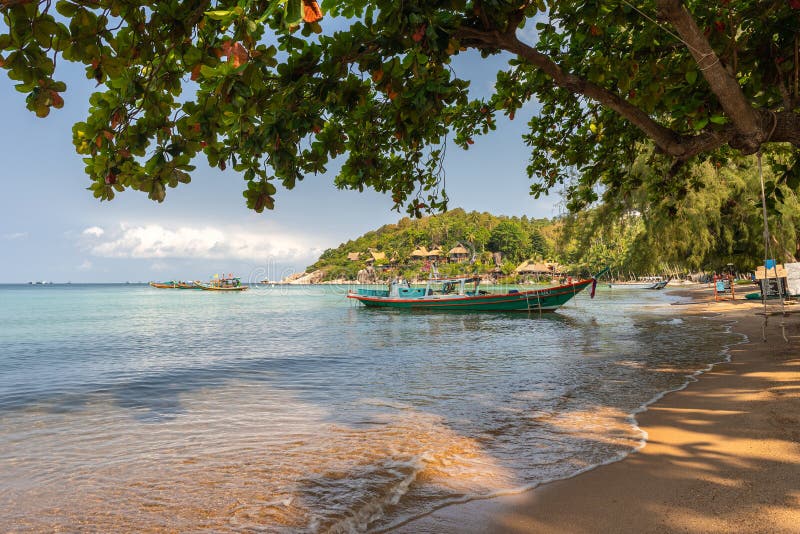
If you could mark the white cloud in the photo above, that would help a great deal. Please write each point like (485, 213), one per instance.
(85, 266)
(15, 235)
(154, 241)
(95, 231)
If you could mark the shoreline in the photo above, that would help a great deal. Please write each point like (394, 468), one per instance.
(703, 466)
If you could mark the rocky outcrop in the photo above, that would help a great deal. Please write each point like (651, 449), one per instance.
(305, 278)
(367, 276)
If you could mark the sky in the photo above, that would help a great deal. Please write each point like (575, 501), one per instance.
(53, 229)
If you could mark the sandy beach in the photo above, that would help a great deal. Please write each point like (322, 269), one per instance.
(722, 455)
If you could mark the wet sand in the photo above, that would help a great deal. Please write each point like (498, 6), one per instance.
(723, 455)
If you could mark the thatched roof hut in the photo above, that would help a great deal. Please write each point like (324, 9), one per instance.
(353, 256)
(420, 253)
(458, 253)
(537, 268)
(374, 256)
(435, 254)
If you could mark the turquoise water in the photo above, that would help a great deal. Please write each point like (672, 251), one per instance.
(288, 409)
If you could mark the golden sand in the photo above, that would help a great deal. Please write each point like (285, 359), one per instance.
(723, 455)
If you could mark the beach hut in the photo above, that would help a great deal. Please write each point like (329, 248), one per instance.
(353, 256)
(435, 254)
(419, 254)
(537, 269)
(458, 254)
(375, 256)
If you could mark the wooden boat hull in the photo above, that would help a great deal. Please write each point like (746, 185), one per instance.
(545, 300)
(163, 286)
(659, 285)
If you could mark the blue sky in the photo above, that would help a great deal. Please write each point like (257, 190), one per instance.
(52, 228)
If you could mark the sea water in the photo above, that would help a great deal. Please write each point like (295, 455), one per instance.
(289, 409)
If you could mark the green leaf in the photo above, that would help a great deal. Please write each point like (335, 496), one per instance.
(691, 76)
(66, 9)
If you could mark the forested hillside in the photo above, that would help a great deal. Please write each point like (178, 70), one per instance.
(481, 234)
(713, 222)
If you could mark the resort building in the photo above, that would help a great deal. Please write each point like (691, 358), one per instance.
(375, 256)
(458, 254)
(435, 254)
(419, 254)
(353, 256)
(538, 269)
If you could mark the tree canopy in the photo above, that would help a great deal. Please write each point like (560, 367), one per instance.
(264, 87)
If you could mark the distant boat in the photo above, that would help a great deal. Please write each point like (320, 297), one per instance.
(658, 284)
(223, 284)
(450, 294)
(164, 285)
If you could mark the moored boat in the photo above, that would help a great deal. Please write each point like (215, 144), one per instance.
(164, 285)
(175, 284)
(224, 284)
(450, 294)
(658, 284)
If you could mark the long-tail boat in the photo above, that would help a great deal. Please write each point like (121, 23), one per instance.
(450, 294)
(175, 284)
(164, 285)
(224, 284)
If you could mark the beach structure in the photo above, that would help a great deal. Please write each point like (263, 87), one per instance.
(537, 269)
(419, 254)
(458, 254)
(792, 278)
(435, 254)
(353, 256)
(375, 256)
(771, 278)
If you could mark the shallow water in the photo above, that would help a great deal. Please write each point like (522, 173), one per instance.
(288, 409)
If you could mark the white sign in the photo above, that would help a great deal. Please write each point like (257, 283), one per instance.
(792, 278)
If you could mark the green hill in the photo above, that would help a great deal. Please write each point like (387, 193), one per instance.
(477, 236)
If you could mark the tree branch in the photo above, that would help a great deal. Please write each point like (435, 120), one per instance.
(516, 18)
(11, 3)
(722, 83)
(666, 140)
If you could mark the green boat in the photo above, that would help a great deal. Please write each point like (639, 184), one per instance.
(458, 293)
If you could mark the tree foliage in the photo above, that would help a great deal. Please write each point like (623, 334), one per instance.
(510, 239)
(235, 82)
(714, 222)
